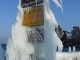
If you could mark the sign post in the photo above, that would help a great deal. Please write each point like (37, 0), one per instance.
(33, 16)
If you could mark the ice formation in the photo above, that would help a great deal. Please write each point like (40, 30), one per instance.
(58, 4)
(1, 53)
(19, 47)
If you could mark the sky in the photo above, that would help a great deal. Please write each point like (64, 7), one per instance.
(69, 18)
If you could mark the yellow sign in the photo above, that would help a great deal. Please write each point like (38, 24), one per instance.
(34, 17)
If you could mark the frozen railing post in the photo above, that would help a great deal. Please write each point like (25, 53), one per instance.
(69, 49)
(74, 48)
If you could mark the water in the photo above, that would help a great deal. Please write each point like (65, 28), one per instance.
(18, 45)
(1, 53)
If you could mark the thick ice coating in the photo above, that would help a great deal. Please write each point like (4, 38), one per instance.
(19, 47)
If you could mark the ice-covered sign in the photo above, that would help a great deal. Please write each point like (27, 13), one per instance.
(33, 16)
(26, 3)
(19, 47)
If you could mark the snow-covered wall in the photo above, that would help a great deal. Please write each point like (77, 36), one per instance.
(68, 56)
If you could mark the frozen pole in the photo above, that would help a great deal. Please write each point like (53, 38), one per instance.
(69, 49)
(73, 48)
